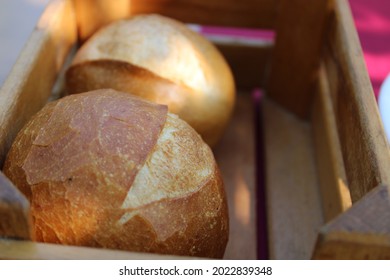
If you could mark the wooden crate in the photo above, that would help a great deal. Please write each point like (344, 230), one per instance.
(306, 168)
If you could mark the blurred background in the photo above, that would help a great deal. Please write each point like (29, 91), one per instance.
(17, 21)
(372, 18)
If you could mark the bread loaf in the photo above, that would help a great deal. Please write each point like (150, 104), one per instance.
(159, 59)
(107, 169)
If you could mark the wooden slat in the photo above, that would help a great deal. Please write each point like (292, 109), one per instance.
(363, 232)
(27, 250)
(31, 79)
(92, 14)
(249, 63)
(235, 155)
(364, 146)
(293, 199)
(299, 37)
(15, 219)
(332, 75)
(335, 193)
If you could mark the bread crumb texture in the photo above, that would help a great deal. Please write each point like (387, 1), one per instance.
(107, 169)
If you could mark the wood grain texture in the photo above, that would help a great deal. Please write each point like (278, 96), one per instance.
(30, 82)
(362, 232)
(27, 250)
(248, 63)
(235, 155)
(299, 38)
(292, 186)
(364, 146)
(335, 193)
(93, 14)
(15, 219)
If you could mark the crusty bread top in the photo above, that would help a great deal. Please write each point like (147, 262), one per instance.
(68, 140)
(165, 47)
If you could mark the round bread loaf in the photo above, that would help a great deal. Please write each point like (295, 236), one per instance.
(107, 169)
(161, 60)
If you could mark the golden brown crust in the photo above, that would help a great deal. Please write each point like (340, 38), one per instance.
(127, 77)
(21, 147)
(68, 159)
(192, 77)
(80, 157)
(198, 222)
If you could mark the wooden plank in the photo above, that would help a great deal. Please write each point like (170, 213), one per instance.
(364, 146)
(15, 221)
(332, 75)
(335, 193)
(299, 39)
(92, 14)
(31, 79)
(27, 250)
(292, 187)
(235, 155)
(249, 63)
(362, 232)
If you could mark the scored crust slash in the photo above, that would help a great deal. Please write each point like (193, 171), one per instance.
(95, 176)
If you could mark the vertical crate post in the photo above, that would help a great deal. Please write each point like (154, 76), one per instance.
(299, 38)
(364, 145)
